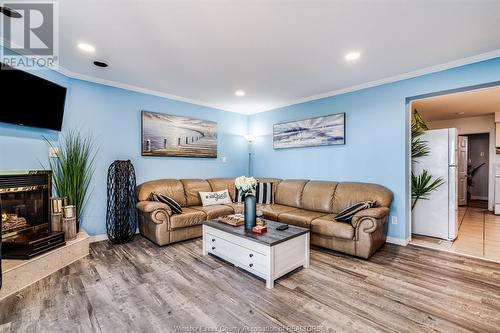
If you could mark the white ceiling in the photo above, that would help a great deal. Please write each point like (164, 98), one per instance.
(460, 105)
(279, 52)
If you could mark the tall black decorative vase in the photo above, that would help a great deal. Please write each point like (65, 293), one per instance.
(121, 217)
(250, 211)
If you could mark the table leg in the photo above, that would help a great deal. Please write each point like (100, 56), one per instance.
(204, 239)
(270, 268)
(306, 259)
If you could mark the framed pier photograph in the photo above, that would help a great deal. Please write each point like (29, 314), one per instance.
(175, 136)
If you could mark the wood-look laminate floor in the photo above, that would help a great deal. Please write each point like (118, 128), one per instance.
(139, 287)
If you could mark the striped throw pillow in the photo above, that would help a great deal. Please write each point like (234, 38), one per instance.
(346, 214)
(263, 194)
(174, 205)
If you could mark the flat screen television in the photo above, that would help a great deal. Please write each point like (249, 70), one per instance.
(29, 100)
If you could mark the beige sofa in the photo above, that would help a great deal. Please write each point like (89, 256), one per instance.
(305, 203)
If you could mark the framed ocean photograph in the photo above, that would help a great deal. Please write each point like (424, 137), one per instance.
(319, 131)
(175, 136)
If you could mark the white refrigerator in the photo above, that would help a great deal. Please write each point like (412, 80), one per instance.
(437, 216)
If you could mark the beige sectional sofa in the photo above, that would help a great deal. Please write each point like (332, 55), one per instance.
(305, 203)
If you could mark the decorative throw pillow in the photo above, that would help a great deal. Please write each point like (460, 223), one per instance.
(263, 194)
(346, 214)
(215, 198)
(174, 205)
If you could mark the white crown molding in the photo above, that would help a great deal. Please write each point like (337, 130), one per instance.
(428, 70)
(391, 79)
(66, 72)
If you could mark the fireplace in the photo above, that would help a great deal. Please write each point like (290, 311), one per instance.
(24, 200)
(24, 205)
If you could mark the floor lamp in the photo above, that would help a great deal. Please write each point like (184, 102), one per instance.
(249, 139)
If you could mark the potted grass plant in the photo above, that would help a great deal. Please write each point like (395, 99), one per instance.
(423, 184)
(73, 168)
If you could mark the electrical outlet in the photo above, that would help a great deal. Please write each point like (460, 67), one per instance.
(394, 219)
(224, 160)
(53, 152)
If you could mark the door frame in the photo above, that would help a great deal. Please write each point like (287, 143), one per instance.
(466, 166)
(408, 118)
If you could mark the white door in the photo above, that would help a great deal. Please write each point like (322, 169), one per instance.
(462, 170)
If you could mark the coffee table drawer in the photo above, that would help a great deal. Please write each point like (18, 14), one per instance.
(241, 256)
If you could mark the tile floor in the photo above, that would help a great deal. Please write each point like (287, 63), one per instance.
(478, 235)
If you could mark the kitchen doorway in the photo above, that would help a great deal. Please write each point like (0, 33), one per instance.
(474, 114)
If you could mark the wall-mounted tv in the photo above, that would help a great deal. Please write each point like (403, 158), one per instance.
(29, 100)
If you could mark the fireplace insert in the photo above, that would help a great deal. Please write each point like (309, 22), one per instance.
(25, 201)
(25, 213)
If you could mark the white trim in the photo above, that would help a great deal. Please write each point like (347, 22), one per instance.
(397, 241)
(427, 70)
(370, 84)
(66, 72)
(101, 237)
(391, 79)
(98, 238)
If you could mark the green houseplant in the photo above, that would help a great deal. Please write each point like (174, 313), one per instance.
(471, 172)
(73, 168)
(424, 184)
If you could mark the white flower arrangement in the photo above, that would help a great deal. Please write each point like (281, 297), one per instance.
(246, 185)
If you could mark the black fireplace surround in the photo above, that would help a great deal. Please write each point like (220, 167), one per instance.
(24, 203)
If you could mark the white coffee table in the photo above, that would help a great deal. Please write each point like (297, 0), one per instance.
(269, 255)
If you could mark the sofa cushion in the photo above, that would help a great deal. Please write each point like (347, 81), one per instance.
(272, 212)
(328, 226)
(299, 217)
(289, 192)
(318, 196)
(237, 207)
(192, 189)
(171, 187)
(219, 184)
(188, 218)
(214, 211)
(347, 194)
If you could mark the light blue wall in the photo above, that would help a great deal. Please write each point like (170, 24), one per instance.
(375, 151)
(376, 132)
(113, 116)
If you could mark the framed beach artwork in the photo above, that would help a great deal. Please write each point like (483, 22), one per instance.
(175, 136)
(319, 131)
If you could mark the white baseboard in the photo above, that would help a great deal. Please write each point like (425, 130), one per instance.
(392, 240)
(98, 238)
(101, 237)
(398, 241)
(476, 197)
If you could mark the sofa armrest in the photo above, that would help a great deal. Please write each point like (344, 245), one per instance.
(159, 212)
(375, 215)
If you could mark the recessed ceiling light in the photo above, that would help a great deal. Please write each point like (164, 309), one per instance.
(100, 64)
(351, 56)
(10, 12)
(239, 93)
(86, 47)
